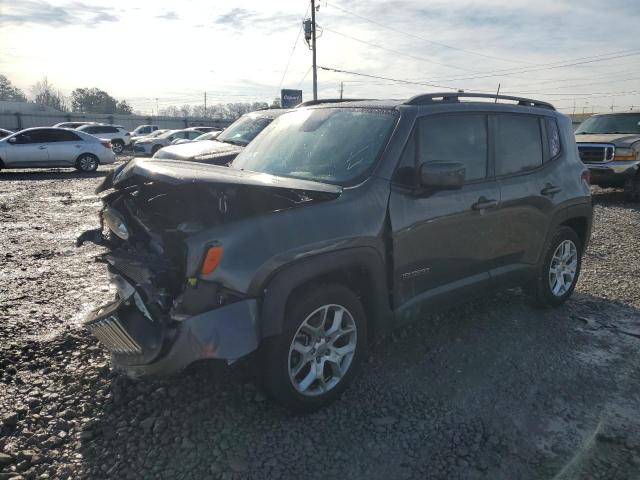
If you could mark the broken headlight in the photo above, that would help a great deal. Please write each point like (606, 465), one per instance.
(116, 223)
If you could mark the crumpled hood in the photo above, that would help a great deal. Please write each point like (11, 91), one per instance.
(199, 151)
(622, 140)
(176, 172)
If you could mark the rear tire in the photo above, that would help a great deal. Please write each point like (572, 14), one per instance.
(154, 149)
(87, 163)
(632, 188)
(323, 341)
(559, 271)
(117, 146)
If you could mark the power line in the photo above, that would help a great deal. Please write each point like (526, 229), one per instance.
(422, 59)
(295, 44)
(549, 66)
(337, 70)
(440, 44)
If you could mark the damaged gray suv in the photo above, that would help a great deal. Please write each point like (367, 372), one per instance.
(339, 222)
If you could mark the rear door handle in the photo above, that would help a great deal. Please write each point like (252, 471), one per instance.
(483, 203)
(42, 147)
(550, 190)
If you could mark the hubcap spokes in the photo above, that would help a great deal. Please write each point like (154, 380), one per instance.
(322, 350)
(562, 272)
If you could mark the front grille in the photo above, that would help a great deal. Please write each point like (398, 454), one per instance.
(112, 334)
(596, 152)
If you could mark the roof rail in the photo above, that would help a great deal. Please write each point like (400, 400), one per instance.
(330, 100)
(444, 97)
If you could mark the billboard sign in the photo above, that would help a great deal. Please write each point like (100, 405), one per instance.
(290, 98)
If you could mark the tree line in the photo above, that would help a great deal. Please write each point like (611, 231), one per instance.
(94, 100)
(84, 100)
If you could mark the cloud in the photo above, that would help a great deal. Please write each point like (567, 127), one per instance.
(239, 18)
(235, 18)
(43, 13)
(170, 15)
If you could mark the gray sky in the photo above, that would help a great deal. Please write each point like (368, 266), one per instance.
(585, 51)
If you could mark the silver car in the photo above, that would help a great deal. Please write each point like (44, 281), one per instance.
(149, 146)
(54, 147)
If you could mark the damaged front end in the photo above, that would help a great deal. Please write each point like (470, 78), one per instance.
(164, 316)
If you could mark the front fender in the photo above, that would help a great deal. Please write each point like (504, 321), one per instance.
(278, 288)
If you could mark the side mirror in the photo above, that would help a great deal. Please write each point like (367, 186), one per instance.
(442, 175)
(12, 140)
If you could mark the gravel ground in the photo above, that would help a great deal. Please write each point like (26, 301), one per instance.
(491, 390)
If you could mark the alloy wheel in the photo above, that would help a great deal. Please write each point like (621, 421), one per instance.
(322, 350)
(88, 164)
(562, 271)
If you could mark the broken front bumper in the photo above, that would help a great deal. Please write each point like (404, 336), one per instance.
(142, 345)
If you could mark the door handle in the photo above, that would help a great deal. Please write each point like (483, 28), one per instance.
(42, 147)
(550, 190)
(483, 203)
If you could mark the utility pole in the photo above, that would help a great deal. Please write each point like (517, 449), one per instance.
(313, 49)
(157, 107)
(205, 104)
(341, 89)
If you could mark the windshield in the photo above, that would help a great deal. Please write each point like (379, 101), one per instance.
(168, 133)
(157, 133)
(332, 145)
(620, 123)
(206, 136)
(243, 130)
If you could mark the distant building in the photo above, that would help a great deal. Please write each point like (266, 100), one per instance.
(25, 107)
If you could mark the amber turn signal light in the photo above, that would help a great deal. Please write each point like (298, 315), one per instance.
(211, 260)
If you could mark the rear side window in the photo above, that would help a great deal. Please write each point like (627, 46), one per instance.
(455, 138)
(90, 130)
(518, 143)
(553, 138)
(63, 136)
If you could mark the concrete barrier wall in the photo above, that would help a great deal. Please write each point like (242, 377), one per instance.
(18, 121)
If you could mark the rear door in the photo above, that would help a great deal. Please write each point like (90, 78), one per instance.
(529, 190)
(443, 240)
(29, 150)
(64, 147)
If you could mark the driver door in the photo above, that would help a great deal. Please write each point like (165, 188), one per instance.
(28, 150)
(443, 239)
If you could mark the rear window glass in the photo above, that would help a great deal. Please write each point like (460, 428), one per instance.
(518, 143)
(553, 135)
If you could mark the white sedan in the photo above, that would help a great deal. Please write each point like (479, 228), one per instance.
(54, 147)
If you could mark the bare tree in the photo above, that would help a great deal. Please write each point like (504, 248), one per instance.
(46, 94)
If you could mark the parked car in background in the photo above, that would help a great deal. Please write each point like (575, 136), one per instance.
(54, 147)
(335, 225)
(149, 146)
(73, 125)
(205, 136)
(119, 136)
(205, 129)
(142, 130)
(153, 134)
(609, 146)
(228, 144)
(5, 133)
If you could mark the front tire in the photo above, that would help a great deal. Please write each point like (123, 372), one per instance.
(87, 163)
(155, 149)
(316, 356)
(558, 274)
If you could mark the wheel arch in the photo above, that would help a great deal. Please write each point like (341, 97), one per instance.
(360, 269)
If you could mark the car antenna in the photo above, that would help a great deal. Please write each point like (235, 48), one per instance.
(497, 93)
